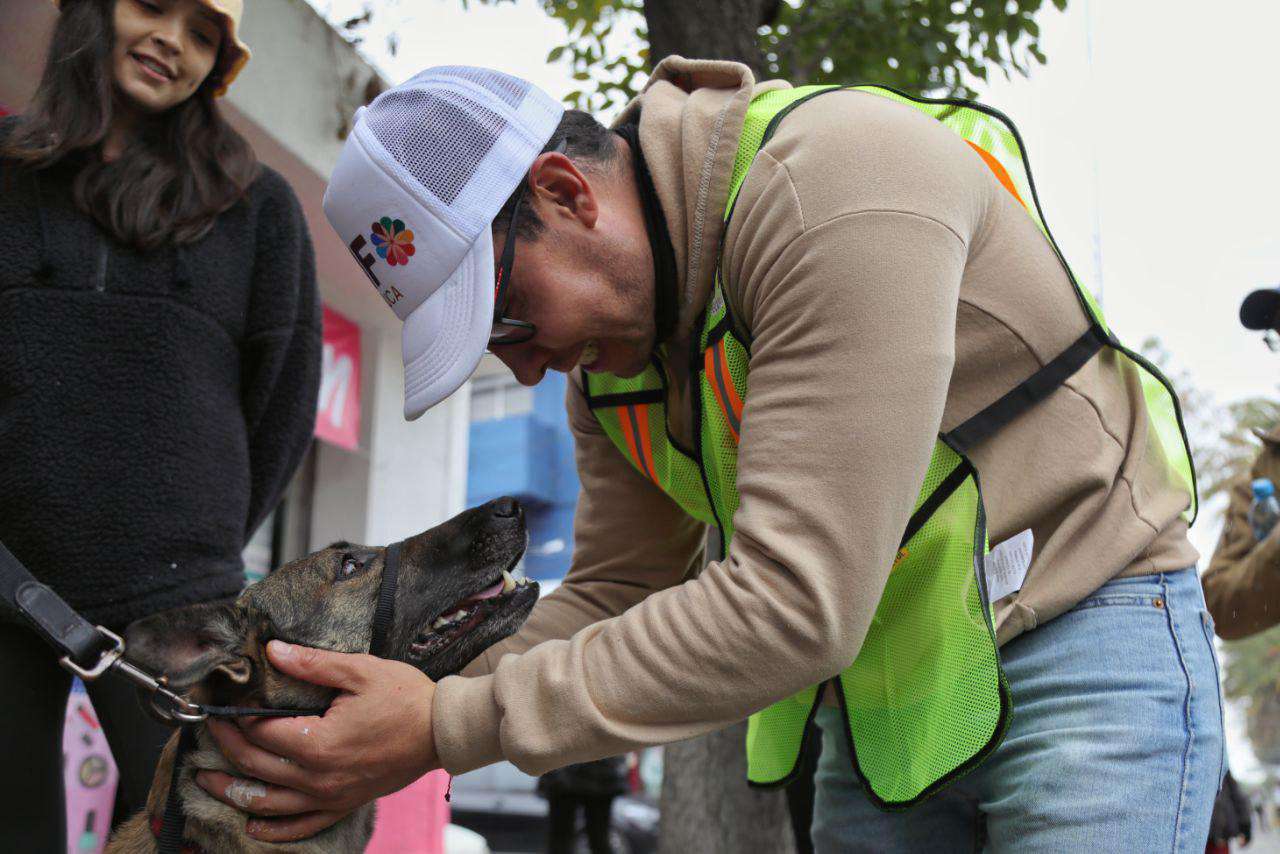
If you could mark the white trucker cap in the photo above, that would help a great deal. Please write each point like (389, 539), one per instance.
(423, 173)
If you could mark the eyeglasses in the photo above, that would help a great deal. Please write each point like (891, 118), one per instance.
(507, 330)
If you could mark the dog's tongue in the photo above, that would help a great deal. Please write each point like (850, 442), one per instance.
(487, 593)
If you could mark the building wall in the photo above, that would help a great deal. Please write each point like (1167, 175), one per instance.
(527, 452)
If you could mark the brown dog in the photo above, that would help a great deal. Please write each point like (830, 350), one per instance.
(456, 597)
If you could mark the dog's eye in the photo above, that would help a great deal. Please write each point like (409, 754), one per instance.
(349, 566)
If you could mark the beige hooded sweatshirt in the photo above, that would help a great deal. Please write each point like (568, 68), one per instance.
(893, 289)
(1242, 583)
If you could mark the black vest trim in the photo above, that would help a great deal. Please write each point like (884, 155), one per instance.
(1027, 393)
(630, 398)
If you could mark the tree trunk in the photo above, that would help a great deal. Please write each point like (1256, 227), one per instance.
(707, 805)
(711, 29)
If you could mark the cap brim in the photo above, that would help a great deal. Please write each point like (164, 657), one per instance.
(445, 337)
(1261, 309)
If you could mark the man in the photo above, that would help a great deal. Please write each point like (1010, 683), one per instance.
(1242, 584)
(806, 548)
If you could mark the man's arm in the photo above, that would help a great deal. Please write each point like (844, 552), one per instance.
(630, 539)
(1242, 584)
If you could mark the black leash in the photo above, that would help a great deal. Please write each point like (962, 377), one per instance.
(89, 651)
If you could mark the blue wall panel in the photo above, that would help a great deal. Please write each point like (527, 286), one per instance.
(530, 456)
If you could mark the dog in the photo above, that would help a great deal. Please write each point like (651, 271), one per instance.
(456, 597)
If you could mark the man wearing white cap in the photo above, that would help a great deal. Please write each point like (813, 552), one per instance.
(813, 550)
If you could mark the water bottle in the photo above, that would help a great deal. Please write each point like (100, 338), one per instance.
(1265, 510)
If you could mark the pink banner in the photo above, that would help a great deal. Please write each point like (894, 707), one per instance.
(338, 411)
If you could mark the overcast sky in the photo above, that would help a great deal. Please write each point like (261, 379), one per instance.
(1152, 134)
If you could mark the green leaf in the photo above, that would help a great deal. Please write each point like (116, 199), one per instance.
(556, 53)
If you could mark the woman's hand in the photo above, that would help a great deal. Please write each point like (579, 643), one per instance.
(375, 739)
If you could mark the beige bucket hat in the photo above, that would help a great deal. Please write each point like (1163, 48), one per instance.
(234, 53)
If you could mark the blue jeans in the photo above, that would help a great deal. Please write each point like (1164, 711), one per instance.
(1115, 743)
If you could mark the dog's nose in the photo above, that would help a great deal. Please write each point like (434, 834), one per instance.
(506, 507)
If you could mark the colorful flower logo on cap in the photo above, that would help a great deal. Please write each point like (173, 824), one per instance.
(392, 241)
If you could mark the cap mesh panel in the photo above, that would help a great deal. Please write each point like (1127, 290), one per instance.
(508, 88)
(441, 120)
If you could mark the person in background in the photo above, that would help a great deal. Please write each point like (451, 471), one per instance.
(159, 360)
(1232, 818)
(1242, 584)
(591, 786)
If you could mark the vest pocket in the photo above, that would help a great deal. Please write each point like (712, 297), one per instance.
(926, 699)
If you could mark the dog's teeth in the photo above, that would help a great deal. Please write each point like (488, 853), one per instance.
(457, 616)
(440, 623)
(508, 583)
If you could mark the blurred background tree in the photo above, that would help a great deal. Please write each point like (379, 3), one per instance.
(919, 46)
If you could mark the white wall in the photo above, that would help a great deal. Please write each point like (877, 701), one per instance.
(406, 476)
(303, 82)
(418, 469)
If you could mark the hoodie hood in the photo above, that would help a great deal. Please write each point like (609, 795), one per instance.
(691, 114)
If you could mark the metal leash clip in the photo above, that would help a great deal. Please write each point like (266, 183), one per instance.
(171, 707)
(106, 658)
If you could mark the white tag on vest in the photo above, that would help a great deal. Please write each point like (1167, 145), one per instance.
(1007, 565)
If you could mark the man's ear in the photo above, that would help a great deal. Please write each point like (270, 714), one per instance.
(563, 189)
(189, 644)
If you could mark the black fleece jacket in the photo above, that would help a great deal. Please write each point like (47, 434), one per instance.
(153, 406)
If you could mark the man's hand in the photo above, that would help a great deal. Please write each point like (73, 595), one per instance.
(375, 739)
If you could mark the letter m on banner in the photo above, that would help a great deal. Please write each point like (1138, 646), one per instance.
(338, 412)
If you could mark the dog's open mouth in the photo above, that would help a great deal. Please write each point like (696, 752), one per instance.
(463, 617)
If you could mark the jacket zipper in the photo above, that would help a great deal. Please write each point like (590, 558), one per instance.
(100, 280)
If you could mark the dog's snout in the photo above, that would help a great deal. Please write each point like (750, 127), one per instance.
(506, 508)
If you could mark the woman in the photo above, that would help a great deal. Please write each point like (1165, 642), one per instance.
(159, 359)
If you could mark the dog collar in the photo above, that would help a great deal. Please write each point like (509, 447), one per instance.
(385, 613)
(157, 830)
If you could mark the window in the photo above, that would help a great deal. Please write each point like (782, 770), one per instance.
(499, 396)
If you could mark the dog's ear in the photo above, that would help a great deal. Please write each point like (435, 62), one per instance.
(189, 644)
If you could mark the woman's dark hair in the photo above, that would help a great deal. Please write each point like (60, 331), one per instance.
(587, 142)
(181, 170)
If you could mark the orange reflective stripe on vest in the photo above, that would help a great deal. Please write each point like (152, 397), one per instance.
(722, 384)
(1002, 174)
(635, 428)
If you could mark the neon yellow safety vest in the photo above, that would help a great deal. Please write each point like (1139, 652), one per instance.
(925, 700)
